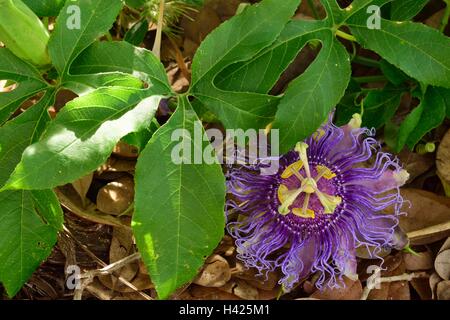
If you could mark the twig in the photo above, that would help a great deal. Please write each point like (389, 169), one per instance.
(89, 276)
(104, 265)
(442, 227)
(157, 45)
(403, 277)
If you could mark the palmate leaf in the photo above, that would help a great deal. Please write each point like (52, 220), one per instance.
(29, 220)
(69, 38)
(27, 78)
(433, 107)
(114, 57)
(83, 135)
(261, 73)
(310, 98)
(45, 8)
(406, 9)
(179, 208)
(239, 39)
(420, 51)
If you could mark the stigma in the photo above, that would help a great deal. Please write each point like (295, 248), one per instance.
(308, 187)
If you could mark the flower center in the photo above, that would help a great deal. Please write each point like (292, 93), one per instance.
(308, 186)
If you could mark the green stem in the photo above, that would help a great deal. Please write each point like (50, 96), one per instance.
(444, 21)
(366, 62)
(313, 9)
(345, 35)
(370, 79)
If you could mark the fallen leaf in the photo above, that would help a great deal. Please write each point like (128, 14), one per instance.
(419, 261)
(82, 185)
(70, 200)
(443, 158)
(216, 272)
(125, 150)
(443, 290)
(442, 264)
(428, 216)
(422, 287)
(116, 197)
(416, 164)
(241, 289)
(352, 290)
(251, 276)
(433, 281)
(205, 293)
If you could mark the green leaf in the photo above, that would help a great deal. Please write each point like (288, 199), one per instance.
(337, 16)
(137, 32)
(28, 79)
(30, 221)
(381, 105)
(141, 138)
(243, 110)
(14, 68)
(433, 106)
(82, 136)
(69, 38)
(309, 99)
(85, 83)
(179, 208)
(17, 134)
(406, 9)
(135, 3)
(261, 73)
(407, 127)
(45, 8)
(420, 51)
(392, 73)
(123, 57)
(241, 37)
(11, 101)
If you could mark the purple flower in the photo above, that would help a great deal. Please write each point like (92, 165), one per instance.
(322, 204)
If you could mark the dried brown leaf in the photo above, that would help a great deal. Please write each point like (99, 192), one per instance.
(419, 261)
(428, 217)
(216, 272)
(442, 264)
(443, 290)
(116, 197)
(352, 291)
(82, 185)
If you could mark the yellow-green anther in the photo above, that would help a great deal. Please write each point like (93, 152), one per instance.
(23, 33)
(301, 148)
(284, 208)
(328, 202)
(356, 121)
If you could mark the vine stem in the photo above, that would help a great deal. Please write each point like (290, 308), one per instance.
(345, 35)
(157, 46)
(366, 61)
(370, 79)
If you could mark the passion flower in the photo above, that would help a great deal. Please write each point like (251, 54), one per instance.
(322, 204)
